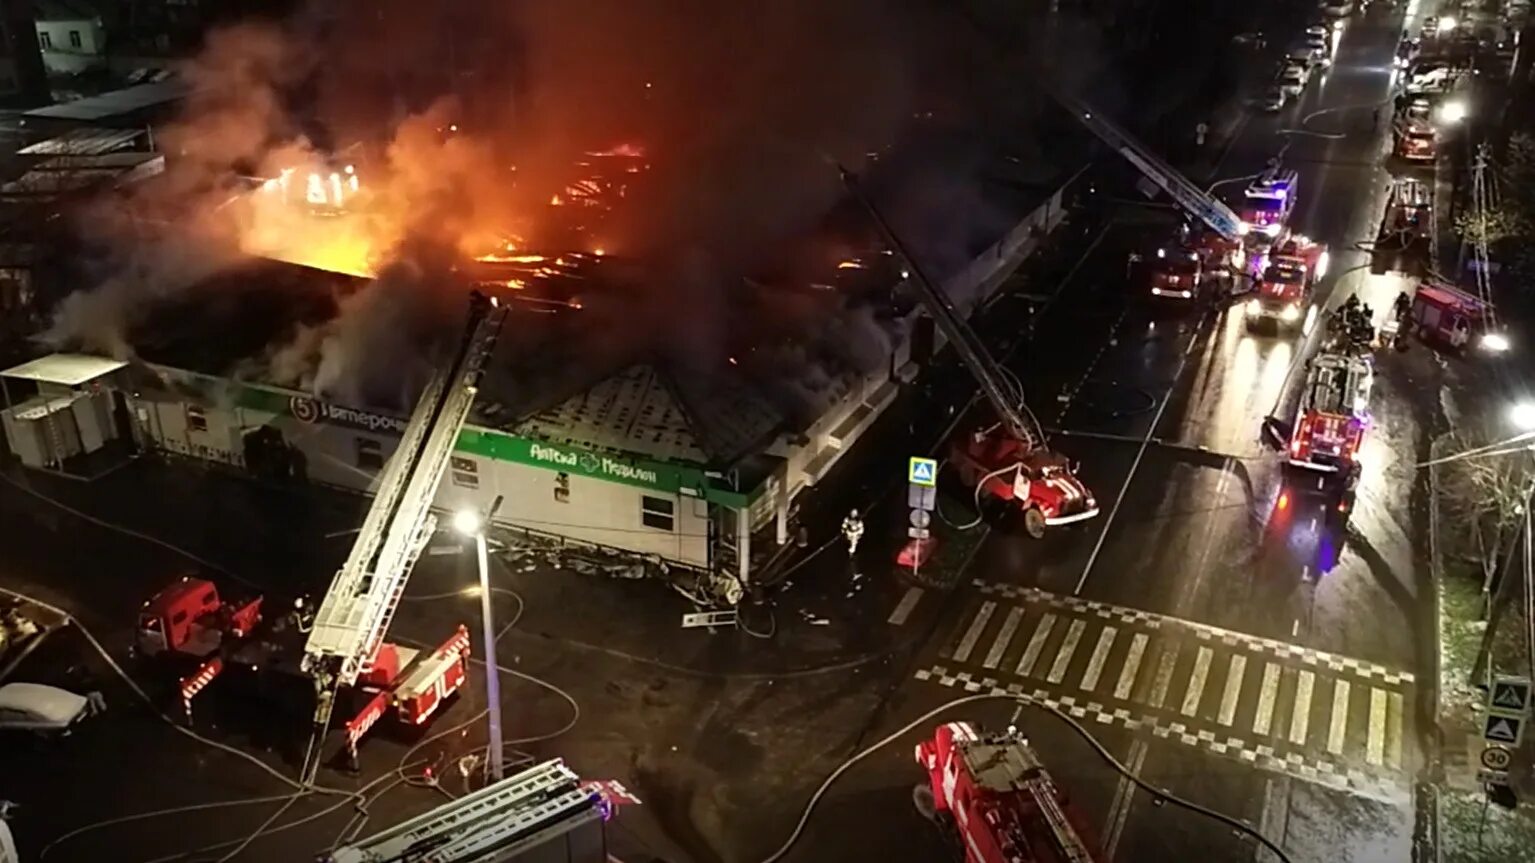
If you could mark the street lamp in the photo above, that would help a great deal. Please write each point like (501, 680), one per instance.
(1445, 25)
(1522, 415)
(1452, 112)
(471, 523)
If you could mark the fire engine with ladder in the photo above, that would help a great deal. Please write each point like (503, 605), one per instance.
(994, 793)
(345, 655)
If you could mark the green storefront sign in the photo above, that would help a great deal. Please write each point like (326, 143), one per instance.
(500, 446)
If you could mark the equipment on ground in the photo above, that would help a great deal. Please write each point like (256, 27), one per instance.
(1290, 272)
(1009, 460)
(993, 791)
(345, 655)
(542, 814)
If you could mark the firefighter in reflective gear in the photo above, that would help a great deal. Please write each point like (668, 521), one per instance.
(852, 529)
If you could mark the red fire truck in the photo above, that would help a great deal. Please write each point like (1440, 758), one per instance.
(1333, 415)
(1044, 486)
(1176, 273)
(1416, 140)
(1283, 291)
(1267, 203)
(993, 791)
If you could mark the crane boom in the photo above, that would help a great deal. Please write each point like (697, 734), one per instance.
(355, 613)
(1005, 399)
(1196, 201)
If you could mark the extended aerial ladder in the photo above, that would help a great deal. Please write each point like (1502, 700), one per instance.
(1194, 200)
(543, 813)
(349, 627)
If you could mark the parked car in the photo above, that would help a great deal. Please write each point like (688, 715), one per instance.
(1292, 81)
(1336, 8)
(43, 709)
(1273, 98)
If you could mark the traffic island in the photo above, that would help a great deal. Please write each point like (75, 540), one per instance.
(1472, 825)
(957, 534)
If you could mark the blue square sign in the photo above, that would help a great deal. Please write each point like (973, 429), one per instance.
(922, 471)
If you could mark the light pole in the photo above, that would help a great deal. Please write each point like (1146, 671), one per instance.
(472, 523)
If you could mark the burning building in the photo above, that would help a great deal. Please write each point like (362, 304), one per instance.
(702, 327)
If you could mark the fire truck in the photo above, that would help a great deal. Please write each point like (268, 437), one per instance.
(1267, 203)
(992, 790)
(1290, 272)
(1333, 415)
(1174, 274)
(340, 652)
(1416, 140)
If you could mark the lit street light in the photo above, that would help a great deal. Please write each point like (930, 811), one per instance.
(1445, 25)
(1495, 343)
(1522, 415)
(1452, 112)
(471, 523)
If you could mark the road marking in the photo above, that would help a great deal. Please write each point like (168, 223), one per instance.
(1035, 645)
(1375, 743)
(1197, 681)
(1124, 794)
(1009, 626)
(1339, 717)
(904, 608)
(1131, 666)
(1300, 715)
(1234, 676)
(1394, 731)
(1068, 647)
(1264, 718)
(973, 634)
(1100, 655)
(1164, 675)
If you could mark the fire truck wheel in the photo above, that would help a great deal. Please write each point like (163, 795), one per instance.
(1034, 522)
(922, 798)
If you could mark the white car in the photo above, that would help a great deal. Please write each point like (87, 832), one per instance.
(1273, 98)
(1336, 8)
(1292, 81)
(1321, 50)
(43, 709)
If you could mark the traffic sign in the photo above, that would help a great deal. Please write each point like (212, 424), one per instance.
(922, 471)
(1496, 758)
(1511, 694)
(918, 532)
(1492, 777)
(921, 518)
(921, 497)
(1503, 729)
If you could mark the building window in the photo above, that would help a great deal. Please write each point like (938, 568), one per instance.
(74, 38)
(658, 513)
(196, 419)
(46, 40)
(370, 454)
(562, 488)
(466, 472)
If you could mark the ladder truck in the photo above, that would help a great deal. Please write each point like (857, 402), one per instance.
(993, 791)
(1008, 461)
(346, 647)
(545, 814)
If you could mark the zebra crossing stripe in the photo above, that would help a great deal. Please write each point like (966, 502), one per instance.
(1300, 716)
(1164, 675)
(1375, 742)
(1131, 665)
(1264, 718)
(1197, 681)
(1234, 675)
(1394, 730)
(1068, 647)
(999, 646)
(1100, 655)
(973, 634)
(1036, 644)
(1339, 717)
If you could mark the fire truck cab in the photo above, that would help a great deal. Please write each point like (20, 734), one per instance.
(1172, 273)
(994, 792)
(1038, 481)
(1267, 204)
(1283, 290)
(1416, 140)
(190, 618)
(1333, 415)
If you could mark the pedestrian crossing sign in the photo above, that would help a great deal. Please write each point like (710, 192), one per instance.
(1511, 694)
(1503, 729)
(922, 471)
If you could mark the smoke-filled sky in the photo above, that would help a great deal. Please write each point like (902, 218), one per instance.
(465, 118)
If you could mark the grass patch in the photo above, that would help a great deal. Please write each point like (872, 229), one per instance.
(1509, 837)
(1460, 634)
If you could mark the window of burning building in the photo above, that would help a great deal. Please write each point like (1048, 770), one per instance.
(562, 488)
(658, 513)
(466, 472)
(196, 420)
(370, 454)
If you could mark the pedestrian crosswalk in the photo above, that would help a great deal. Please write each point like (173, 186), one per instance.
(1313, 715)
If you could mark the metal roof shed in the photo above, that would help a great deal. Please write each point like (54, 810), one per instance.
(114, 105)
(67, 370)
